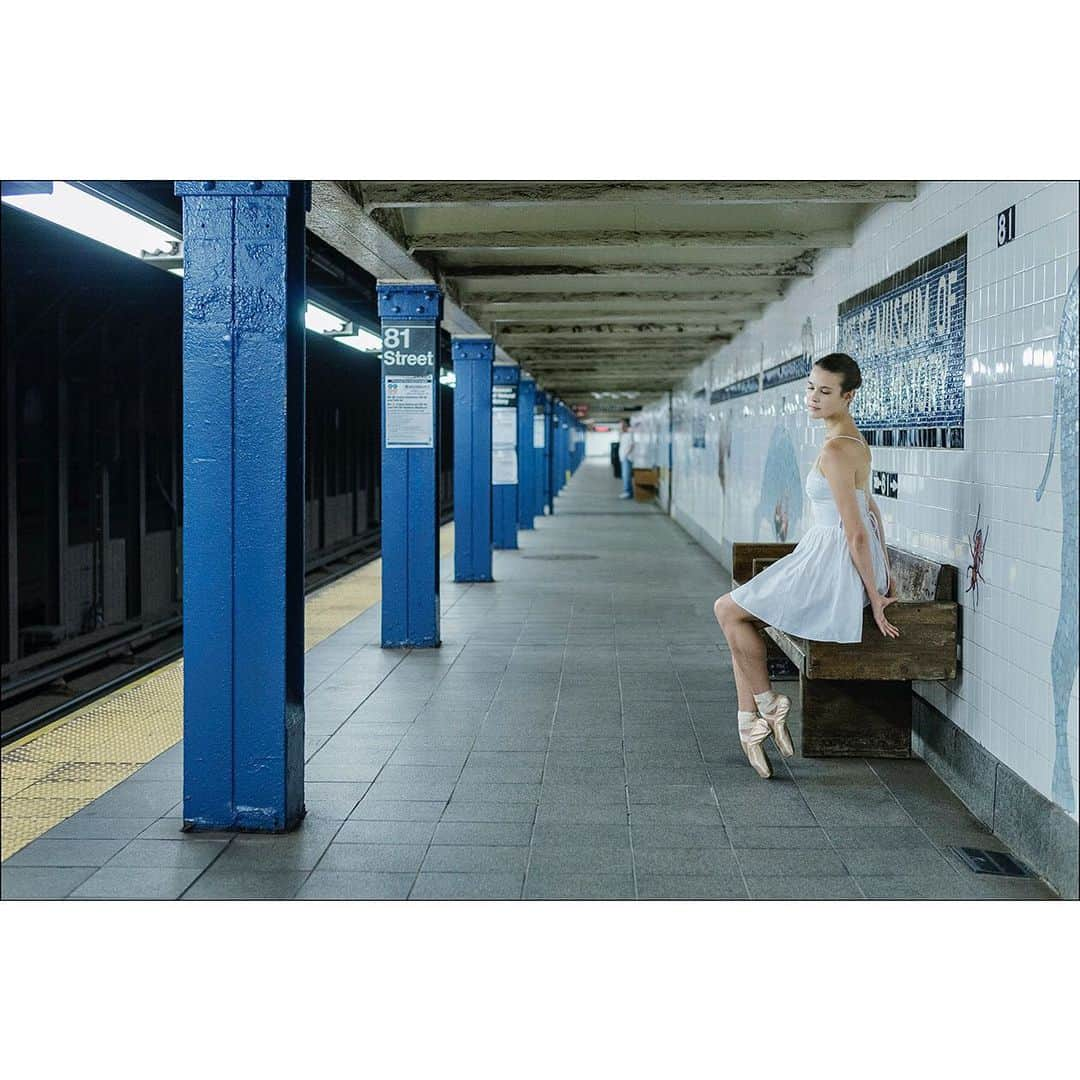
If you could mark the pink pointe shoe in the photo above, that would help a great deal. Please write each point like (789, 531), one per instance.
(776, 718)
(752, 734)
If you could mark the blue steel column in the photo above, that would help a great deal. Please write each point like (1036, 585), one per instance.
(243, 375)
(549, 453)
(473, 359)
(504, 497)
(539, 466)
(409, 514)
(526, 483)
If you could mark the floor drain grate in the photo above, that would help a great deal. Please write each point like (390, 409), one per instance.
(999, 863)
(559, 558)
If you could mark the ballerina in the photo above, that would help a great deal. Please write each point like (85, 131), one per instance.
(819, 591)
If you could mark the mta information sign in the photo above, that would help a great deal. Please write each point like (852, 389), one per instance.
(408, 377)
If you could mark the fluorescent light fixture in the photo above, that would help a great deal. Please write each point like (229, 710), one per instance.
(322, 321)
(363, 341)
(103, 221)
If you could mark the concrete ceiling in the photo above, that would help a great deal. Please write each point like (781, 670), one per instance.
(598, 287)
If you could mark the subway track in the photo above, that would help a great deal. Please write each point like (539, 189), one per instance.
(37, 696)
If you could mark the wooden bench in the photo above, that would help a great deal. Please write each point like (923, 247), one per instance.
(856, 698)
(646, 484)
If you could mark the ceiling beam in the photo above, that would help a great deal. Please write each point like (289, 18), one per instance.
(604, 238)
(727, 320)
(494, 298)
(400, 194)
(803, 266)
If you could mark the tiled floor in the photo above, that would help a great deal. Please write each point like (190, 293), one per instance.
(573, 738)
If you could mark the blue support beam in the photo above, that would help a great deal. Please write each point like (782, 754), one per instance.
(410, 315)
(526, 459)
(549, 453)
(243, 443)
(539, 444)
(473, 359)
(504, 457)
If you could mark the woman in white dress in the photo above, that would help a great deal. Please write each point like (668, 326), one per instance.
(839, 566)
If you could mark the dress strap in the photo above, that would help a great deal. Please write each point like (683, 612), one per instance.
(866, 486)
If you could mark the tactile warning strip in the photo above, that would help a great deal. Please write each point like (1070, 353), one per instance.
(55, 772)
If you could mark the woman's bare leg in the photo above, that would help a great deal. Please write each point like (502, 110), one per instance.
(747, 652)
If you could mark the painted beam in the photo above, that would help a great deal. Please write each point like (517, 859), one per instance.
(473, 359)
(511, 240)
(611, 330)
(243, 477)
(499, 193)
(494, 298)
(800, 267)
(410, 315)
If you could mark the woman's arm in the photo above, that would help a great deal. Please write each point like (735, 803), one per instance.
(840, 472)
(881, 535)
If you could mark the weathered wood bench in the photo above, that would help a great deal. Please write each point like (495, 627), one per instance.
(856, 698)
(646, 484)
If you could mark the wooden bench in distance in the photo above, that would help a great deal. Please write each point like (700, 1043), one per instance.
(856, 698)
(646, 484)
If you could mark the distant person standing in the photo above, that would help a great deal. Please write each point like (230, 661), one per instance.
(626, 459)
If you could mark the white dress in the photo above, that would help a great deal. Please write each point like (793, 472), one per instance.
(816, 591)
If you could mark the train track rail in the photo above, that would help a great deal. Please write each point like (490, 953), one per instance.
(39, 695)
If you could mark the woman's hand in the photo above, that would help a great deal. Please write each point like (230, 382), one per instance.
(878, 606)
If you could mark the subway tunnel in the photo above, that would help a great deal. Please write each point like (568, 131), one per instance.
(363, 539)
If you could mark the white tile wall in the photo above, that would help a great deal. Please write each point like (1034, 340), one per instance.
(1002, 697)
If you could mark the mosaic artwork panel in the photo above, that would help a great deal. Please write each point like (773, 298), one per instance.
(907, 334)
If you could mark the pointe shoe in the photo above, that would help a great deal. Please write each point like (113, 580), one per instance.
(776, 718)
(752, 734)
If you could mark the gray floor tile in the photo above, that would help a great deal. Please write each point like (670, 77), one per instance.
(691, 887)
(355, 885)
(784, 862)
(675, 834)
(136, 883)
(388, 858)
(473, 791)
(360, 831)
(924, 888)
(476, 858)
(470, 886)
(66, 851)
(795, 887)
(597, 857)
(877, 837)
(332, 802)
(544, 885)
(299, 850)
(374, 809)
(137, 799)
(89, 827)
(483, 832)
(168, 854)
(228, 884)
(674, 861)
(40, 882)
(459, 809)
(583, 813)
(778, 836)
(898, 862)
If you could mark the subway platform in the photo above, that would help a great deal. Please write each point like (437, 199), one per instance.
(573, 738)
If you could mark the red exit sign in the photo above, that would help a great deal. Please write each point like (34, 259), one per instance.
(580, 411)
